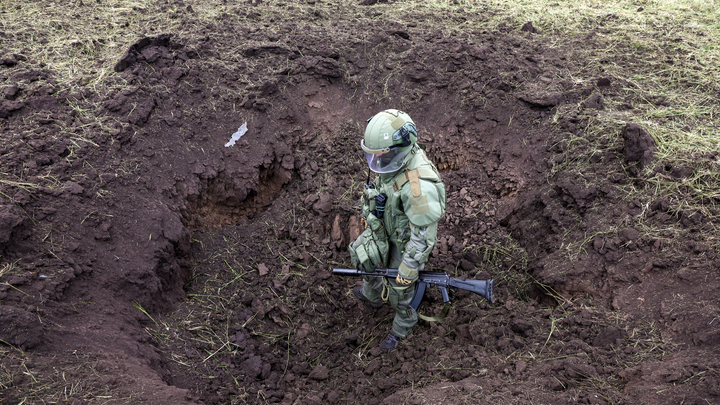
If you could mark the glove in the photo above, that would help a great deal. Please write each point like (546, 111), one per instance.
(401, 280)
(379, 205)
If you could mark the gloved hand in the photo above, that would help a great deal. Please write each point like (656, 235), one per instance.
(379, 210)
(401, 280)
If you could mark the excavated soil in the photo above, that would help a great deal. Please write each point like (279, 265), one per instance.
(146, 262)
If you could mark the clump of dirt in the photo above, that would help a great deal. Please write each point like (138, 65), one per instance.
(145, 261)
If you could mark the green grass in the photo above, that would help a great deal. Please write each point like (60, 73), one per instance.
(634, 41)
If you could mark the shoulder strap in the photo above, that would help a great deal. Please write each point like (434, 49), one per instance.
(414, 176)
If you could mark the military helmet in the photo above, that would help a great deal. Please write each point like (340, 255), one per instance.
(389, 137)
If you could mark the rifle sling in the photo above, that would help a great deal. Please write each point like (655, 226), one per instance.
(443, 314)
(385, 295)
(419, 292)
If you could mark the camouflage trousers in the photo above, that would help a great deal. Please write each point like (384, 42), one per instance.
(399, 297)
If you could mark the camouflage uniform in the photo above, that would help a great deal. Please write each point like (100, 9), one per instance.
(405, 235)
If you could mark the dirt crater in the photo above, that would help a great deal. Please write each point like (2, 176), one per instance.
(244, 310)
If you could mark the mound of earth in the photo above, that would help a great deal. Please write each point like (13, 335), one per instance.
(143, 261)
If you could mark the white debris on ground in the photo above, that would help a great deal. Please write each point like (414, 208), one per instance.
(240, 132)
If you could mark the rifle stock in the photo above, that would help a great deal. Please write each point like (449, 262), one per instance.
(483, 288)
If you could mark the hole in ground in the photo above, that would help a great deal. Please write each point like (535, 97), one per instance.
(229, 200)
(276, 314)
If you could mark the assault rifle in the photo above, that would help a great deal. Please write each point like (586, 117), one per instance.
(484, 288)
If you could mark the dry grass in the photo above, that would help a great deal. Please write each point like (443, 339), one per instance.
(631, 45)
(676, 102)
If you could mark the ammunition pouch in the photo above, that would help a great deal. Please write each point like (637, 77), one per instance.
(371, 249)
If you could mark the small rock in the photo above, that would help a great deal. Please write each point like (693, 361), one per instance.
(528, 27)
(336, 234)
(521, 327)
(372, 367)
(466, 265)
(685, 273)
(324, 204)
(73, 188)
(8, 62)
(354, 229)
(333, 397)
(304, 331)
(469, 386)
(11, 92)
(639, 145)
(608, 337)
(594, 102)
(320, 372)
(313, 400)
(252, 366)
(376, 351)
(604, 82)
(7, 106)
(443, 245)
(288, 162)
(630, 234)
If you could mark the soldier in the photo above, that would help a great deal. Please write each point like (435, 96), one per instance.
(401, 207)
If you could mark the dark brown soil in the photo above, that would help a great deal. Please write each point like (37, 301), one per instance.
(145, 262)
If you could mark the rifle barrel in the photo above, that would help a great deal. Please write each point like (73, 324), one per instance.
(347, 272)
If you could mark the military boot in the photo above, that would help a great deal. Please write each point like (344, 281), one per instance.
(359, 294)
(390, 342)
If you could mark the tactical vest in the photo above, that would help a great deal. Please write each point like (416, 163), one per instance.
(416, 196)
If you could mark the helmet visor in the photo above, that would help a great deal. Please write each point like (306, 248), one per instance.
(385, 160)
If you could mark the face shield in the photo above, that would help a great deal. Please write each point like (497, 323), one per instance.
(385, 160)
